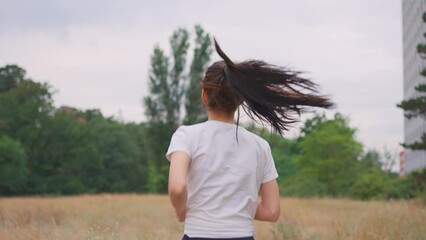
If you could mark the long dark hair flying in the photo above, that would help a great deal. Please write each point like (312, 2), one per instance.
(269, 93)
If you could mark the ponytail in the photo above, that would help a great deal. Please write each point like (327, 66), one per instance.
(222, 54)
(269, 93)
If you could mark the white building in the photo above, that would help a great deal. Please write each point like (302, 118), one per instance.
(413, 29)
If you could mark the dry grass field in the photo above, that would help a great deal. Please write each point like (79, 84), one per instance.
(131, 216)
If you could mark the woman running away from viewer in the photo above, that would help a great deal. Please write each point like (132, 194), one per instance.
(218, 168)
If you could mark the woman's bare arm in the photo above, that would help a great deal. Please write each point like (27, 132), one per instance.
(268, 209)
(179, 164)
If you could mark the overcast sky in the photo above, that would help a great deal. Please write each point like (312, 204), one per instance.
(95, 54)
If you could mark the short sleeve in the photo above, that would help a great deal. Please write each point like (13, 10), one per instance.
(180, 142)
(270, 172)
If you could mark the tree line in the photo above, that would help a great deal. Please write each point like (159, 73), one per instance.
(65, 150)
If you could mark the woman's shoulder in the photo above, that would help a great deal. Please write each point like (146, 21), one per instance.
(258, 139)
(191, 129)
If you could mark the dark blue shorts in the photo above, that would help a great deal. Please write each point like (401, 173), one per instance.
(185, 237)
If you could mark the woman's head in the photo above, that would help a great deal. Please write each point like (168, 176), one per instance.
(220, 94)
(267, 92)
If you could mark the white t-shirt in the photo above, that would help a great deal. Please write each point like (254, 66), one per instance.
(224, 177)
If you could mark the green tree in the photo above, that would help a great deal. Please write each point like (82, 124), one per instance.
(10, 76)
(120, 155)
(138, 178)
(416, 106)
(64, 150)
(23, 110)
(167, 83)
(163, 105)
(168, 88)
(371, 159)
(13, 168)
(412, 185)
(328, 155)
(202, 51)
(374, 178)
(371, 184)
(65, 160)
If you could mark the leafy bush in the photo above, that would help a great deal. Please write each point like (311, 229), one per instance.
(303, 188)
(413, 185)
(13, 170)
(372, 185)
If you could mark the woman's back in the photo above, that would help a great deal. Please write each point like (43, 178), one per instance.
(224, 177)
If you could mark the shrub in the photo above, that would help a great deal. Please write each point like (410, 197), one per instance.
(13, 169)
(303, 188)
(371, 185)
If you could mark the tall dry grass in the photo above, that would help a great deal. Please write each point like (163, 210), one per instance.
(148, 217)
(349, 219)
(88, 217)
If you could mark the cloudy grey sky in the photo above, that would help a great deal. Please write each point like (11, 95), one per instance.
(96, 53)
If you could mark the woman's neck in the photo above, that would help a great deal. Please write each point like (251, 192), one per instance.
(220, 116)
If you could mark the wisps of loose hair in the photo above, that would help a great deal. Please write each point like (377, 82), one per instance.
(269, 93)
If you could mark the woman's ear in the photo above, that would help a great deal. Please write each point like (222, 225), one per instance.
(204, 96)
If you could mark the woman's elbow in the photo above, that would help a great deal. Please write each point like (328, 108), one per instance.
(275, 216)
(272, 214)
(177, 189)
(275, 213)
